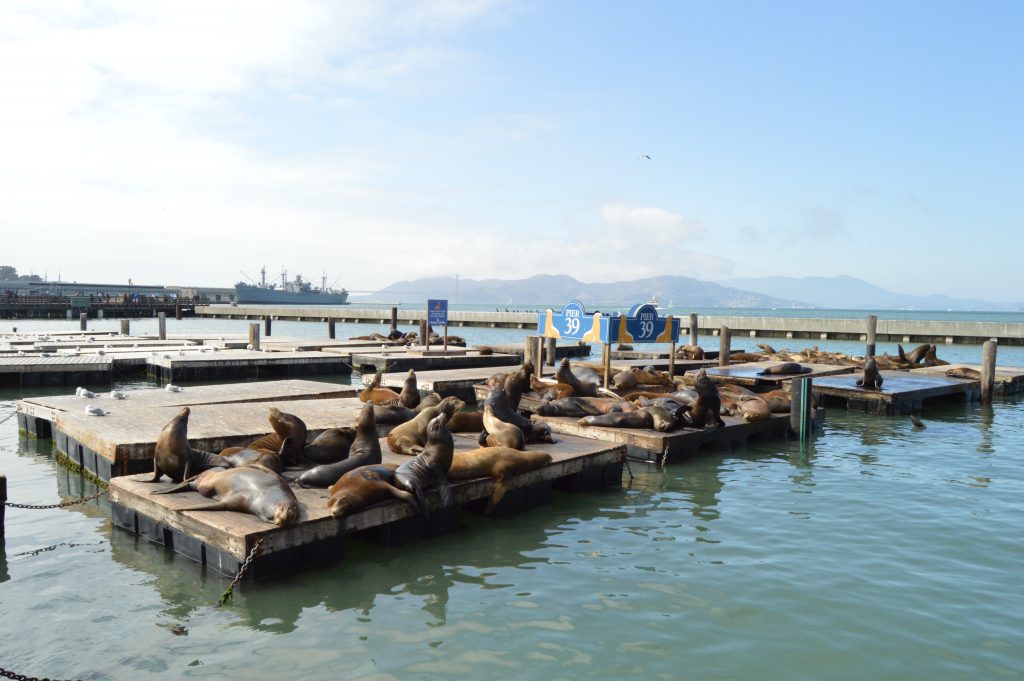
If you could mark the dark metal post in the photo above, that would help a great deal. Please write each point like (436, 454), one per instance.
(83, 320)
(266, 325)
(125, 327)
(800, 411)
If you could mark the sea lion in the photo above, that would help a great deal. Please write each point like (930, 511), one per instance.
(378, 395)
(517, 383)
(363, 487)
(767, 348)
(931, 359)
(364, 451)
(690, 352)
(625, 380)
(430, 467)
(501, 434)
(779, 401)
(550, 391)
(916, 355)
(485, 350)
(584, 406)
(500, 463)
(410, 395)
(872, 380)
(244, 456)
(291, 430)
(427, 401)
(392, 414)
(785, 369)
(964, 372)
(174, 456)
(533, 432)
(656, 418)
(584, 381)
(410, 437)
(466, 422)
(249, 489)
(706, 410)
(750, 408)
(329, 446)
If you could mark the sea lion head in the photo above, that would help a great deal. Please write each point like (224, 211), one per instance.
(367, 421)
(527, 368)
(437, 430)
(539, 432)
(450, 405)
(285, 513)
(547, 409)
(339, 504)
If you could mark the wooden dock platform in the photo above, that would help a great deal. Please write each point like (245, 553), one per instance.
(519, 349)
(388, 362)
(36, 414)
(748, 374)
(903, 392)
(244, 364)
(123, 441)
(651, 446)
(1008, 380)
(221, 540)
(27, 372)
(456, 382)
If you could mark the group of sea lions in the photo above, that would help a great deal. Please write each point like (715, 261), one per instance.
(347, 461)
(397, 337)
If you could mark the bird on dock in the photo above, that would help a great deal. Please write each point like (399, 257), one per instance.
(82, 392)
(215, 348)
(918, 423)
(118, 395)
(250, 346)
(100, 352)
(171, 388)
(167, 356)
(21, 353)
(181, 352)
(93, 410)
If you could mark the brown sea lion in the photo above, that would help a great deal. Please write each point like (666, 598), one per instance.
(485, 350)
(785, 369)
(706, 410)
(916, 355)
(174, 456)
(964, 372)
(750, 408)
(656, 418)
(534, 432)
(767, 348)
(624, 347)
(249, 489)
(501, 434)
(690, 352)
(329, 446)
(584, 380)
(550, 391)
(931, 359)
(584, 406)
(517, 383)
(466, 422)
(500, 463)
(872, 380)
(779, 401)
(429, 468)
(364, 487)
(427, 401)
(392, 414)
(291, 430)
(410, 395)
(246, 457)
(364, 451)
(625, 380)
(410, 437)
(378, 395)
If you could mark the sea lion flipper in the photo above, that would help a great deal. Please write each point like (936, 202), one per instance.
(500, 487)
(225, 505)
(445, 490)
(406, 497)
(421, 498)
(180, 487)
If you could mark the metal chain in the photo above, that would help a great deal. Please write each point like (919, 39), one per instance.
(629, 470)
(226, 596)
(7, 418)
(664, 458)
(60, 505)
(22, 677)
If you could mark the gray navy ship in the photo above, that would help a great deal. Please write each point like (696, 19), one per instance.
(295, 292)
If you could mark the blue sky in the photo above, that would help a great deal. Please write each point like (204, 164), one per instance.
(182, 142)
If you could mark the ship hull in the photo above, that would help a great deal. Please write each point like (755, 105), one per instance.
(259, 296)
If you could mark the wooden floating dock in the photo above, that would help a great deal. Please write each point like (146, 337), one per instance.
(36, 414)
(221, 540)
(52, 371)
(403, 361)
(456, 382)
(651, 446)
(123, 441)
(244, 363)
(519, 349)
(1008, 380)
(903, 392)
(748, 374)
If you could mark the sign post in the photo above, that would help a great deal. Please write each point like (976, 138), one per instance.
(437, 313)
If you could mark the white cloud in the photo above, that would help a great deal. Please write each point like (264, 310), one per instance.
(655, 224)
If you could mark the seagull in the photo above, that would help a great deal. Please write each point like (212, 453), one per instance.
(118, 395)
(644, 156)
(82, 392)
(166, 356)
(215, 348)
(171, 388)
(101, 352)
(181, 352)
(93, 410)
(250, 346)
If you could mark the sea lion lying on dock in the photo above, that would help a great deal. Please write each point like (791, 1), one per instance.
(785, 369)
(249, 489)
(429, 468)
(584, 406)
(392, 414)
(533, 432)
(550, 391)
(690, 352)
(500, 463)
(872, 380)
(378, 395)
(244, 456)
(466, 422)
(329, 446)
(364, 451)
(501, 434)
(584, 381)
(409, 438)
(964, 372)
(632, 377)
(914, 356)
(364, 487)
(656, 418)
(748, 407)
(175, 457)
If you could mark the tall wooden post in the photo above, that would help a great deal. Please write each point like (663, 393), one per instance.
(424, 336)
(330, 328)
(724, 339)
(606, 362)
(988, 371)
(550, 351)
(446, 338)
(266, 325)
(254, 335)
(83, 320)
(125, 327)
(177, 311)
(800, 411)
(394, 319)
(693, 328)
(161, 325)
(672, 359)
(872, 326)
(530, 351)
(3, 500)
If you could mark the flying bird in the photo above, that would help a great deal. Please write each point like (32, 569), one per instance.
(644, 156)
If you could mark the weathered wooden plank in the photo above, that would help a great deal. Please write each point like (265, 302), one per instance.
(902, 391)
(403, 361)
(457, 382)
(749, 373)
(1009, 380)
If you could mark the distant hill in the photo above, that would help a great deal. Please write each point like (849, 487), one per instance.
(844, 292)
(557, 289)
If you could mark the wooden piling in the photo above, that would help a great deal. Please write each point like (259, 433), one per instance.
(83, 320)
(394, 319)
(724, 338)
(693, 328)
(126, 327)
(424, 335)
(988, 370)
(872, 326)
(177, 311)
(672, 359)
(330, 328)
(606, 362)
(266, 325)
(530, 353)
(550, 351)
(3, 501)
(800, 411)
(254, 335)
(161, 322)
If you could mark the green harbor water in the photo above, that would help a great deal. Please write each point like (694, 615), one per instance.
(875, 552)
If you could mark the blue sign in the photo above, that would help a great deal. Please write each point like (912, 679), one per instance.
(643, 325)
(573, 323)
(437, 312)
